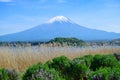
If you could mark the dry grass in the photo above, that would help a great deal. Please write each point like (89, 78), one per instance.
(22, 57)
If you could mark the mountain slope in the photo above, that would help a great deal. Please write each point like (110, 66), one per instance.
(59, 26)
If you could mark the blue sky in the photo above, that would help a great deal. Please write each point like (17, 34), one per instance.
(18, 15)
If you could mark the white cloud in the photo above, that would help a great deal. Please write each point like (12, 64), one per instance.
(5, 0)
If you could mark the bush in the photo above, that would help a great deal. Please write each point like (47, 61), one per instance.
(60, 64)
(80, 67)
(6, 74)
(103, 61)
(106, 74)
(115, 74)
(41, 72)
(78, 71)
(70, 70)
(86, 60)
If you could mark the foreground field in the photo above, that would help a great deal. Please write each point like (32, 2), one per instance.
(88, 67)
(20, 58)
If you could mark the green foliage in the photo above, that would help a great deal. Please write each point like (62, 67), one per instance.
(105, 74)
(60, 64)
(70, 70)
(114, 74)
(41, 72)
(86, 60)
(103, 61)
(98, 67)
(78, 71)
(68, 41)
(8, 74)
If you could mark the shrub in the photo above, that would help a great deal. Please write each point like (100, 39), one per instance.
(41, 72)
(70, 70)
(103, 61)
(61, 64)
(86, 60)
(100, 74)
(78, 69)
(115, 74)
(106, 74)
(6, 74)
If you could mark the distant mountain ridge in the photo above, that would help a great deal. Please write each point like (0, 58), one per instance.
(59, 26)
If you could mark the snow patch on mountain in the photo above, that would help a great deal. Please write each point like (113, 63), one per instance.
(60, 19)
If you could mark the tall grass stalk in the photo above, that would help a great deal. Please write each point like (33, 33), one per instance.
(20, 58)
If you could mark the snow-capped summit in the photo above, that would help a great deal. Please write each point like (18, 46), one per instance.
(60, 19)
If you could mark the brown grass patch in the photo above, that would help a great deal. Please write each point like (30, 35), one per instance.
(20, 58)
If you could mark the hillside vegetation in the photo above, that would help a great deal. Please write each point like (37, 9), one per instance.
(68, 42)
(54, 42)
(62, 41)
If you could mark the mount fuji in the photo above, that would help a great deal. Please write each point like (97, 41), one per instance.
(59, 26)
